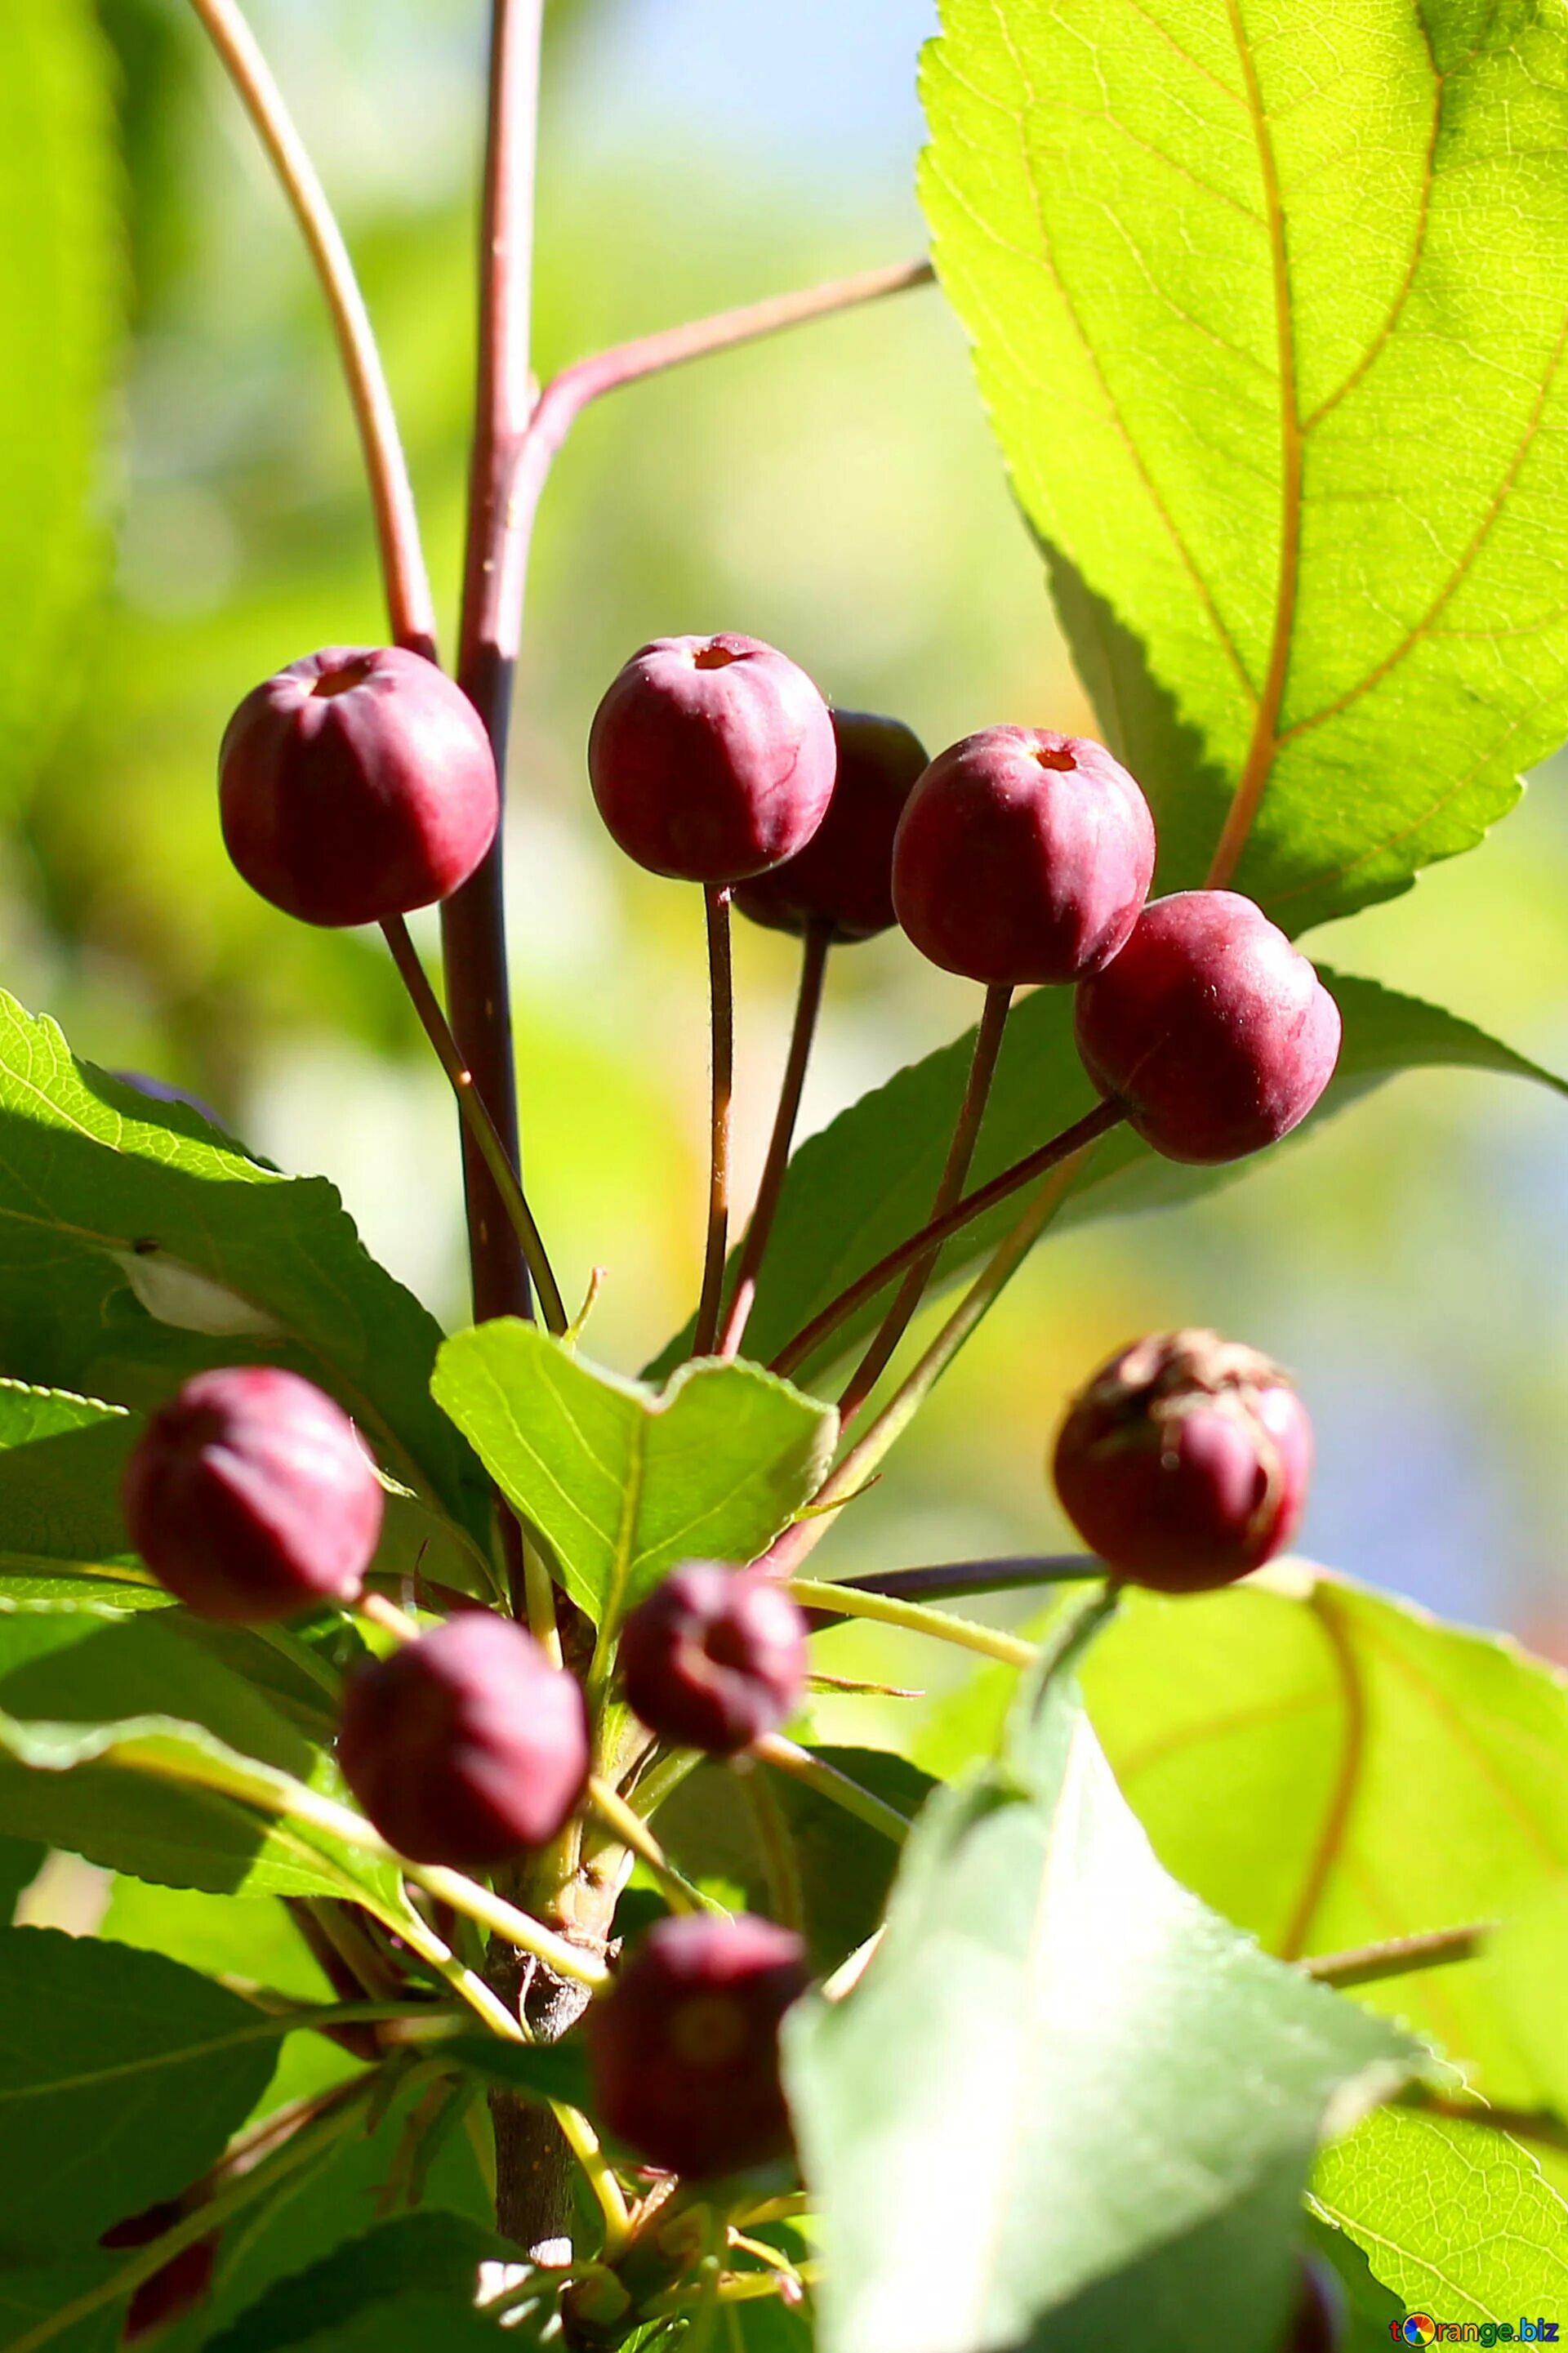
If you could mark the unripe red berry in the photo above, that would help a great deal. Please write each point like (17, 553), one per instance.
(178, 2287)
(1185, 1462)
(467, 1746)
(1023, 856)
(355, 785)
(684, 2049)
(251, 1495)
(843, 879)
(711, 758)
(714, 1658)
(1211, 1030)
(1318, 2323)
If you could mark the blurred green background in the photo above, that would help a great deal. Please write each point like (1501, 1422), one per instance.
(836, 492)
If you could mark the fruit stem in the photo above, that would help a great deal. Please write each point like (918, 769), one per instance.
(961, 1152)
(377, 1610)
(830, 1783)
(883, 1609)
(409, 603)
(1038, 1163)
(1019, 1573)
(481, 1127)
(1398, 1956)
(721, 1002)
(858, 1466)
(809, 1005)
(473, 921)
(633, 1832)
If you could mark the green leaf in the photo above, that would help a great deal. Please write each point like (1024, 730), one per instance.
(62, 1457)
(619, 1481)
(1371, 2309)
(544, 2071)
(712, 1827)
(1454, 2217)
(1269, 313)
(867, 1182)
(1067, 2107)
(20, 1862)
(28, 2298)
(121, 2076)
(108, 1201)
(130, 1742)
(60, 321)
(339, 2198)
(1401, 1775)
(413, 2255)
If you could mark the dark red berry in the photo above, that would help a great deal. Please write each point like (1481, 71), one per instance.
(843, 879)
(467, 1746)
(1318, 2323)
(684, 2049)
(714, 1657)
(178, 2287)
(355, 785)
(711, 758)
(250, 1495)
(1184, 1462)
(1023, 856)
(1210, 1030)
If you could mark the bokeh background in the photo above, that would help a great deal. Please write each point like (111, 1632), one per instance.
(836, 492)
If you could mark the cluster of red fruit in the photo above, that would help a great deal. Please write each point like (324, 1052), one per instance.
(252, 1497)
(357, 785)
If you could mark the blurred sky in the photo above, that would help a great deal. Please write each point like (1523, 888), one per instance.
(835, 492)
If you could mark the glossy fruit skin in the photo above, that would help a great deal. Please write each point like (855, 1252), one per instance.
(465, 1747)
(714, 1658)
(1211, 1030)
(1318, 2324)
(357, 784)
(180, 2285)
(843, 879)
(684, 2051)
(1023, 856)
(251, 1497)
(711, 758)
(1183, 1463)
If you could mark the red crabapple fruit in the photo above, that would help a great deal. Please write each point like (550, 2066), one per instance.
(843, 879)
(1185, 1462)
(711, 758)
(714, 1658)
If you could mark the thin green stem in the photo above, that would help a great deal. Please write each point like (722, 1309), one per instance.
(961, 1153)
(378, 1612)
(481, 1127)
(409, 603)
(721, 998)
(633, 1832)
(828, 1782)
(938, 1230)
(809, 1005)
(845, 1601)
(860, 1463)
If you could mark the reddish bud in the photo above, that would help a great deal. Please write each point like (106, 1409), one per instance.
(1184, 1462)
(250, 1495)
(684, 2049)
(1023, 856)
(355, 785)
(177, 2287)
(843, 879)
(714, 1658)
(465, 1747)
(1210, 1030)
(711, 758)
